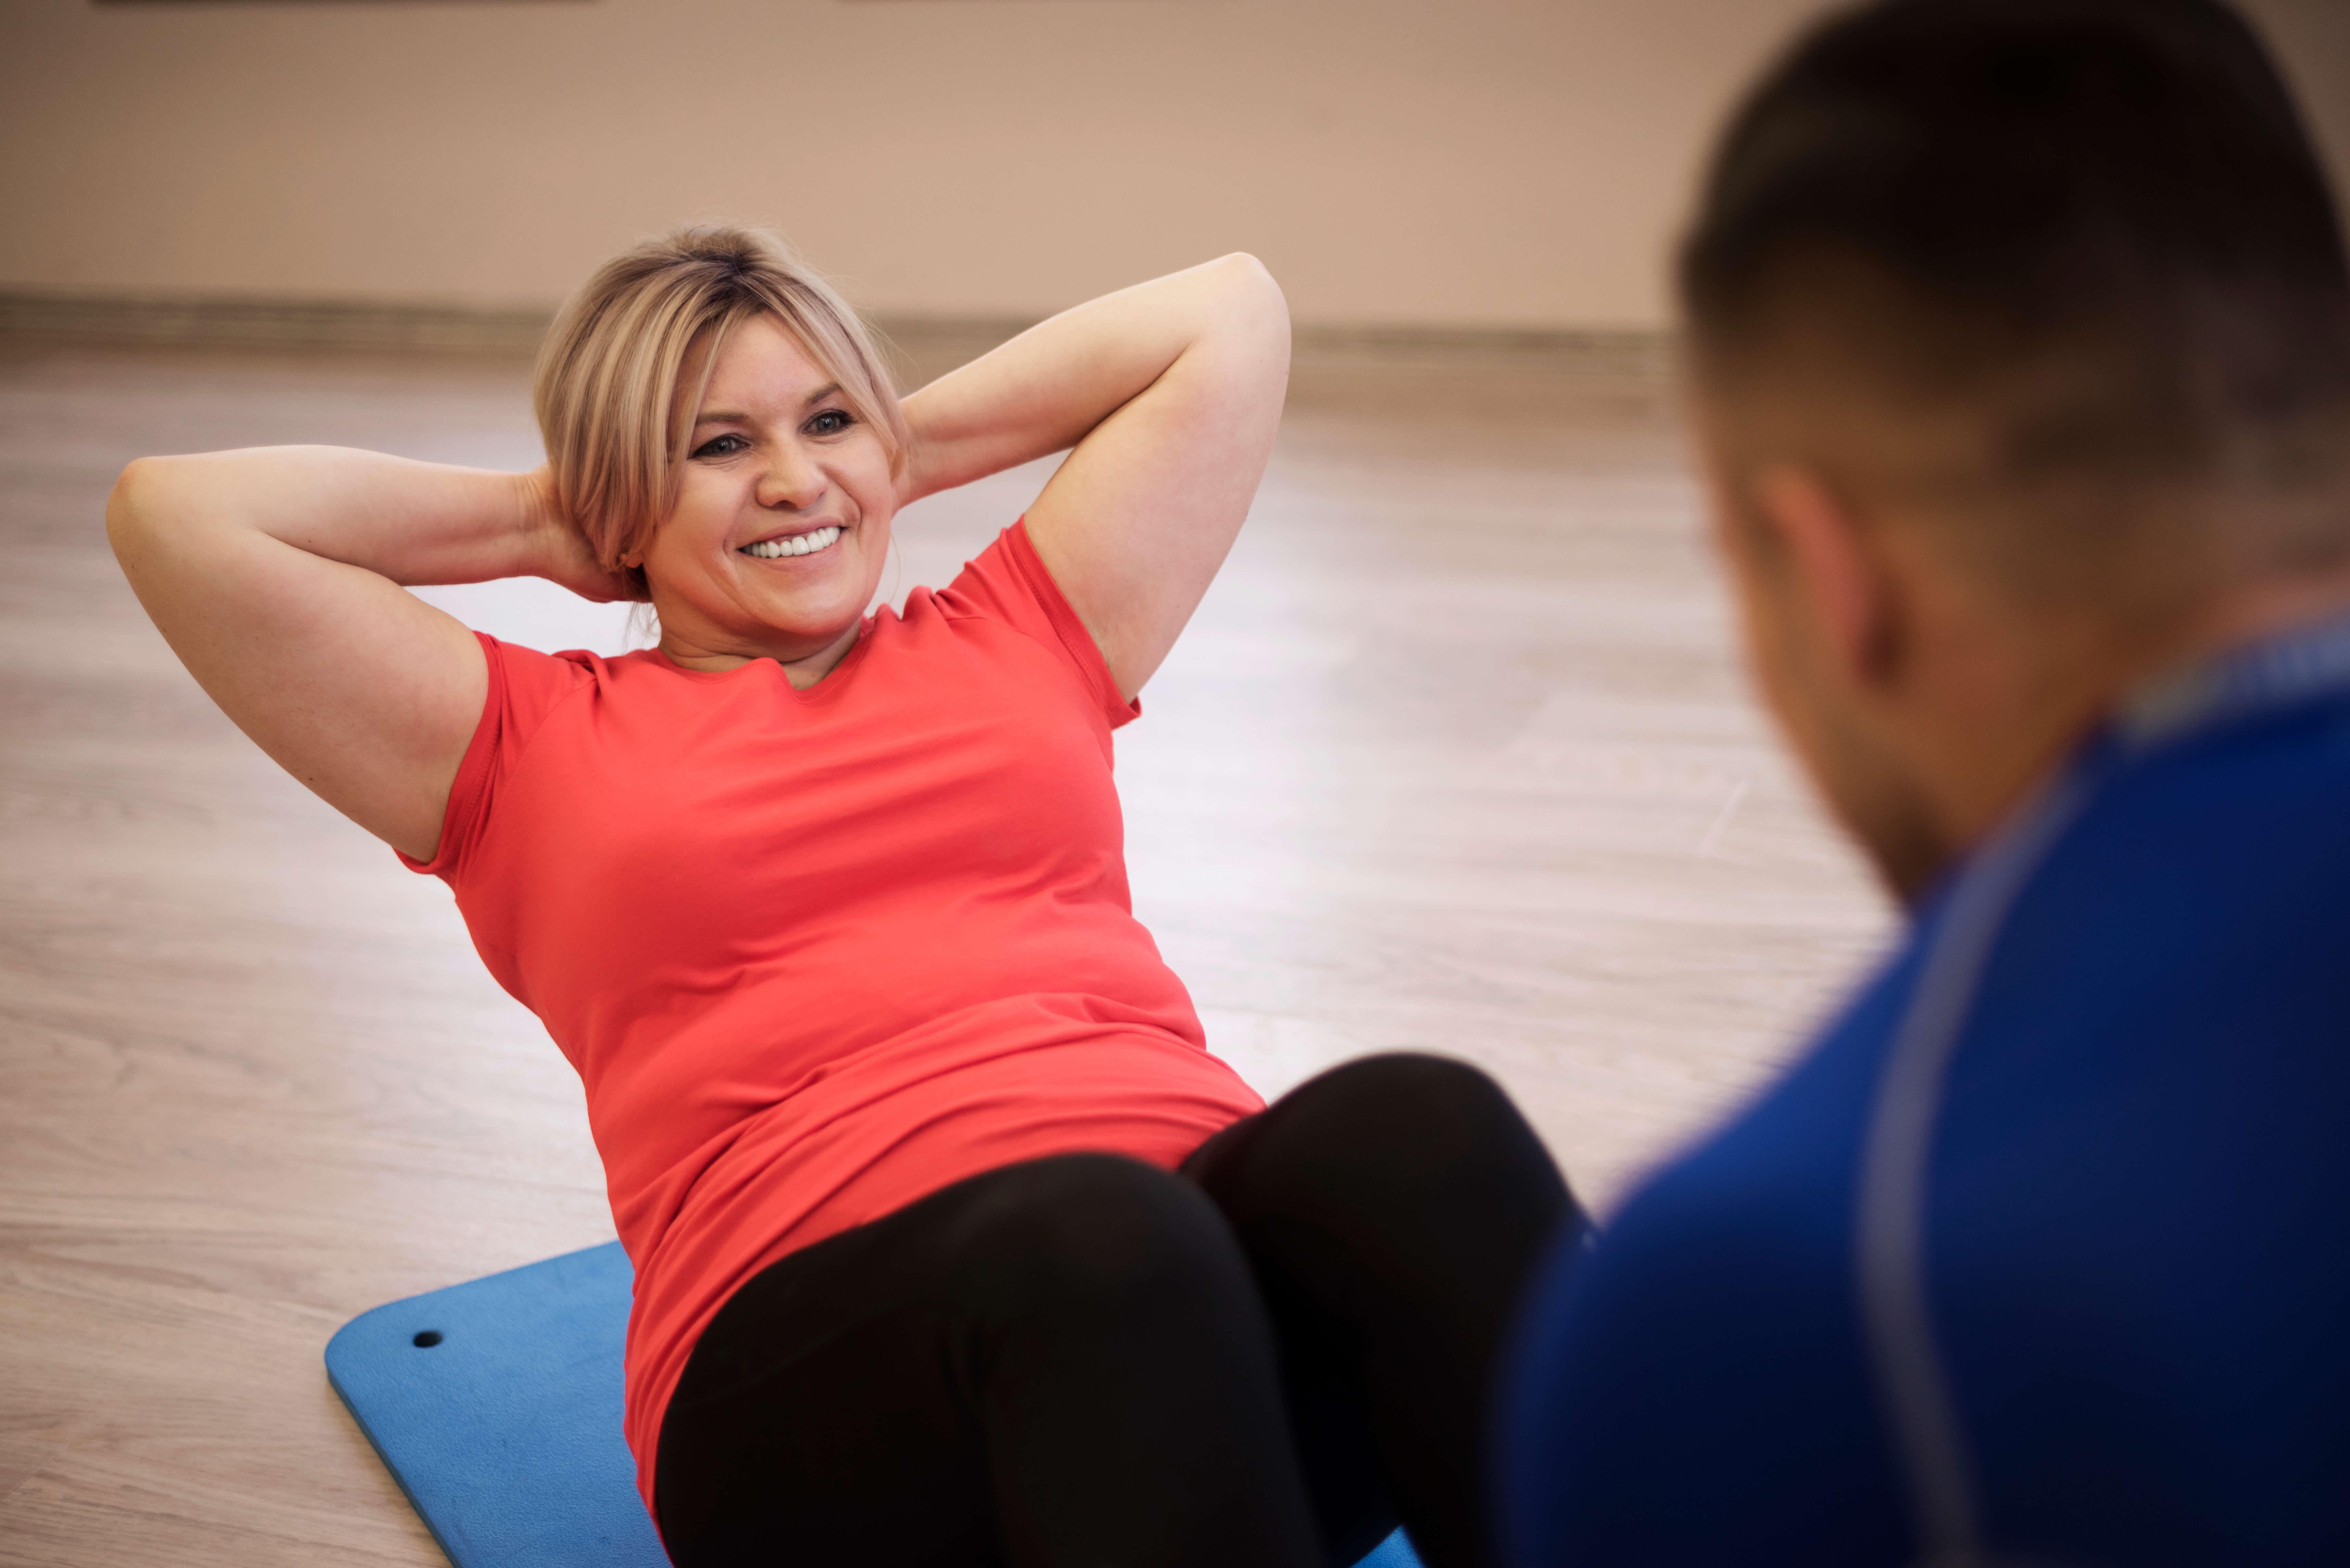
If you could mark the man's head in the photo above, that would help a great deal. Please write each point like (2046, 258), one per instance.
(2020, 342)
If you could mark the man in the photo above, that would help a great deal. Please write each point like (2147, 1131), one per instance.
(2020, 344)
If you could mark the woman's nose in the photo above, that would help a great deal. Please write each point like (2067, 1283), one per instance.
(791, 480)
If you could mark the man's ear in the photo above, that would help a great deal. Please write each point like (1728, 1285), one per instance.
(1839, 581)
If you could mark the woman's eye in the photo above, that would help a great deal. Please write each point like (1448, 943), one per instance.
(725, 445)
(832, 421)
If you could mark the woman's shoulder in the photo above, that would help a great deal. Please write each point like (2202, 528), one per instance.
(1008, 584)
(558, 674)
(570, 668)
(997, 584)
(528, 686)
(1011, 584)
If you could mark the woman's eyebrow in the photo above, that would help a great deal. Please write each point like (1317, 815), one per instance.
(733, 417)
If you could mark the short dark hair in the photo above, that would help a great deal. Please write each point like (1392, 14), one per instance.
(2101, 220)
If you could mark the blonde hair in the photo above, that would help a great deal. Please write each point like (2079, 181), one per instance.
(605, 386)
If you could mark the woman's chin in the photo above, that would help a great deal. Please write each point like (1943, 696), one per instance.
(812, 621)
(789, 615)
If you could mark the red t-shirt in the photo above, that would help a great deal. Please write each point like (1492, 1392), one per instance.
(816, 954)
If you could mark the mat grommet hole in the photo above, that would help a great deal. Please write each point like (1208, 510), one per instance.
(427, 1339)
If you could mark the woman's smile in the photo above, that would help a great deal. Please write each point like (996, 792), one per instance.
(780, 545)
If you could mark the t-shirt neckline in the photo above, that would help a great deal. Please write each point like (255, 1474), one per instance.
(833, 678)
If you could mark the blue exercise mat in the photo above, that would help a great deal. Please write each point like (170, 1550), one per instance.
(496, 1405)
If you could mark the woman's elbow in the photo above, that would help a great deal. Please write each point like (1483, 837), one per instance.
(127, 503)
(1251, 283)
(1250, 302)
(138, 497)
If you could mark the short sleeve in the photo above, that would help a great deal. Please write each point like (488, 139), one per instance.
(525, 687)
(1007, 582)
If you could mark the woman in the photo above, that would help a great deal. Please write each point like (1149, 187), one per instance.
(829, 911)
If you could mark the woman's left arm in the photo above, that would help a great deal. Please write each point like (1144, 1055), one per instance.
(1170, 391)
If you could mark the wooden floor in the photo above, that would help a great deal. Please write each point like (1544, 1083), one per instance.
(1454, 757)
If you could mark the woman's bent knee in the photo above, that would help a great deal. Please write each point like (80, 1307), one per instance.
(1090, 1231)
(1395, 1125)
(1407, 1096)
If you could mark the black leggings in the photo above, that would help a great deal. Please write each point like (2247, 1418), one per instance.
(1083, 1361)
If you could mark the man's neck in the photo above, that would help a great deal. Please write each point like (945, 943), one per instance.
(2034, 713)
(2255, 614)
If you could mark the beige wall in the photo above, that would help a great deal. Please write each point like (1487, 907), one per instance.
(1478, 162)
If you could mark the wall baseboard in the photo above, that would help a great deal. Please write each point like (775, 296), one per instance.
(923, 345)
(224, 321)
(1607, 351)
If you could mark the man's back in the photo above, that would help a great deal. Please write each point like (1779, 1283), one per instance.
(2044, 1252)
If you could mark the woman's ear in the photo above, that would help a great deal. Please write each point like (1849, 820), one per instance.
(1841, 584)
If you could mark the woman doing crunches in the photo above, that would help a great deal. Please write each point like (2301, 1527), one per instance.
(953, 1244)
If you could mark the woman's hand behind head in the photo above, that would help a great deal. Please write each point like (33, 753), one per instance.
(561, 551)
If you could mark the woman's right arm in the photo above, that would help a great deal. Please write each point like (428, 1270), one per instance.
(278, 575)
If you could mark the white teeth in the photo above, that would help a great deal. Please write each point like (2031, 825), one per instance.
(796, 544)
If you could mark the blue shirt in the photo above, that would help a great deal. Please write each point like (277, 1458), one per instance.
(2042, 1253)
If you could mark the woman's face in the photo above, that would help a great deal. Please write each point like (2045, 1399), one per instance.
(783, 518)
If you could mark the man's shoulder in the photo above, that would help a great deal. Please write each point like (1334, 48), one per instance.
(2140, 1174)
(2200, 896)
(2138, 1168)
